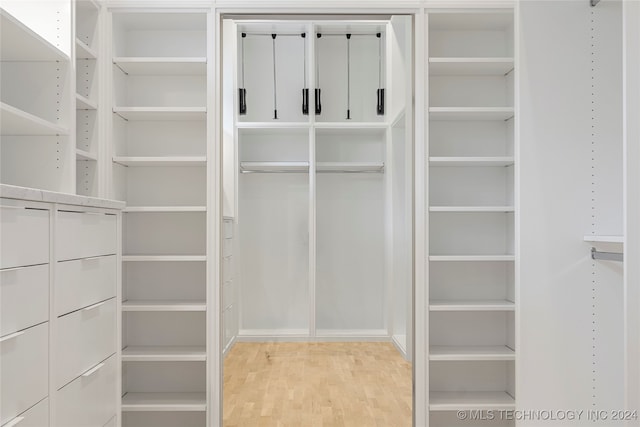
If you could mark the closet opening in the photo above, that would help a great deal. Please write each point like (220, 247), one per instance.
(317, 252)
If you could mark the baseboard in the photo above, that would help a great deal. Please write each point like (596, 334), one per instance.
(401, 345)
(250, 335)
(229, 346)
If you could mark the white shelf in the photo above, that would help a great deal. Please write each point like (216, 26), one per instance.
(162, 66)
(350, 125)
(376, 167)
(83, 103)
(19, 43)
(273, 167)
(164, 209)
(471, 161)
(84, 51)
(470, 66)
(164, 258)
(273, 125)
(470, 400)
(14, 121)
(164, 306)
(85, 155)
(604, 239)
(471, 113)
(164, 402)
(161, 113)
(471, 353)
(471, 209)
(164, 354)
(160, 161)
(494, 305)
(467, 258)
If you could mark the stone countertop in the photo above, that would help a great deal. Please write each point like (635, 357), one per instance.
(37, 195)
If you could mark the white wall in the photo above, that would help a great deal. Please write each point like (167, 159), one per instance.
(570, 352)
(632, 203)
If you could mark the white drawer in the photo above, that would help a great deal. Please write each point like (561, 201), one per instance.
(227, 294)
(83, 235)
(24, 236)
(227, 247)
(90, 400)
(83, 282)
(37, 416)
(227, 229)
(227, 269)
(24, 298)
(24, 358)
(85, 337)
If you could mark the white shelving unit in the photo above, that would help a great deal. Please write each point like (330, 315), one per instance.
(471, 214)
(88, 112)
(314, 191)
(36, 100)
(604, 239)
(159, 163)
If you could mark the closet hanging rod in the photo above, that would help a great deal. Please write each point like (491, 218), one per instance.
(606, 256)
(277, 34)
(353, 34)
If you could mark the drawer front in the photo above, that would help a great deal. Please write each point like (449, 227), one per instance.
(85, 337)
(24, 359)
(227, 247)
(24, 298)
(38, 416)
(90, 400)
(83, 235)
(24, 236)
(81, 283)
(227, 229)
(227, 269)
(227, 294)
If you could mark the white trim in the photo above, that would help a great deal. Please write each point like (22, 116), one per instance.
(400, 346)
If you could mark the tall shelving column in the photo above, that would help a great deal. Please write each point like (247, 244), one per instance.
(471, 214)
(159, 165)
(87, 31)
(36, 148)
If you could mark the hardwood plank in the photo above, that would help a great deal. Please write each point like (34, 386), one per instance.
(316, 384)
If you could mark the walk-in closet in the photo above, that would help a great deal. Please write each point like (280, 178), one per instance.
(228, 213)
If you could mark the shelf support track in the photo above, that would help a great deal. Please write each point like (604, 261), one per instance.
(606, 256)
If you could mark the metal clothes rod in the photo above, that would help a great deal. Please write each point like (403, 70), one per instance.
(277, 34)
(606, 256)
(352, 34)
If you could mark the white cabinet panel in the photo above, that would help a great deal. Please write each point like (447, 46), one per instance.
(82, 235)
(24, 239)
(24, 359)
(24, 298)
(89, 401)
(84, 338)
(37, 416)
(83, 282)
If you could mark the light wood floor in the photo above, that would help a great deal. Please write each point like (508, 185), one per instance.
(316, 385)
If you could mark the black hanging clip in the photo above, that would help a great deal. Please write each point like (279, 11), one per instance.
(242, 92)
(380, 105)
(317, 91)
(305, 89)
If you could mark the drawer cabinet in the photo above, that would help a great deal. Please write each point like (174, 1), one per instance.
(24, 358)
(81, 283)
(24, 297)
(24, 236)
(85, 234)
(37, 416)
(84, 338)
(90, 400)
